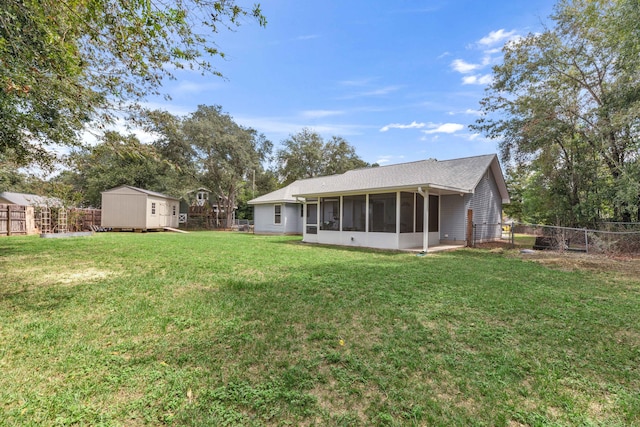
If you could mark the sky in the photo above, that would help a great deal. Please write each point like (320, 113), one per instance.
(399, 80)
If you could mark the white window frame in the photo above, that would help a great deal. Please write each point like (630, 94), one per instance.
(277, 215)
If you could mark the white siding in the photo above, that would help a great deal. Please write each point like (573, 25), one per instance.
(487, 209)
(453, 216)
(124, 210)
(290, 220)
(293, 222)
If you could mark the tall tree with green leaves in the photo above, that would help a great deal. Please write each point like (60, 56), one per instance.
(120, 160)
(226, 153)
(307, 155)
(64, 63)
(566, 104)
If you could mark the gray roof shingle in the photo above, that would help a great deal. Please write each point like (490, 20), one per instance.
(24, 199)
(456, 175)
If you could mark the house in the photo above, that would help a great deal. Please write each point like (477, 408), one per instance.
(127, 207)
(24, 199)
(404, 206)
(202, 208)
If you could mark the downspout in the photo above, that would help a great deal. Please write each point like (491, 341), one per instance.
(425, 219)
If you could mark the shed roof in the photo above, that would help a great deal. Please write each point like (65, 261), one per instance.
(141, 190)
(455, 176)
(25, 199)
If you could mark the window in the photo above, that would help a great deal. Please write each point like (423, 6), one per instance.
(354, 212)
(174, 210)
(201, 198)
(434, 212)
(382, 213)
(330, 213)
(419, 213)
(277, 214)
(153, 208)
(407, 212)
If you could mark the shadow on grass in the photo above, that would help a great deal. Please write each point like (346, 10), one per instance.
(37, 300)
(360, 249)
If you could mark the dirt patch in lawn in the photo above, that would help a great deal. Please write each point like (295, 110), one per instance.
(627, 266)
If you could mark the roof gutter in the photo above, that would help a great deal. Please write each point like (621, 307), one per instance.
(385, 189)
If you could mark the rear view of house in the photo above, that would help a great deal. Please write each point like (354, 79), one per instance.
(127, 207)
(403, 206)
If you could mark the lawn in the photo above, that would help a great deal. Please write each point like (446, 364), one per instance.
(235, 329)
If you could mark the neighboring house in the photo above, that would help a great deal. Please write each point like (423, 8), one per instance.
(390, 207)
(24, 199)
(203, 208)
(127, 207)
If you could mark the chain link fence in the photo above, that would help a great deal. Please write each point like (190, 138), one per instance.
(613, 238)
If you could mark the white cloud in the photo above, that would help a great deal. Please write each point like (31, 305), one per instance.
(188, 87)
(464, 67)
(468, 111)
(477, 79)
(373, 92)
(444, 128)
(358, 82)
(496, 37)
(389, 159)
(412, 125)
(308, 37)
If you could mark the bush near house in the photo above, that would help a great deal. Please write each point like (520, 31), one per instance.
(236, 329)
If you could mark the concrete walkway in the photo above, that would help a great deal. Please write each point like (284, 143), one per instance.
(436, 248)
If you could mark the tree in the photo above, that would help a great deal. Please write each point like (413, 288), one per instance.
(306, 155)
(226, 153)
(120, 160)
(66, 62)
(565, 103)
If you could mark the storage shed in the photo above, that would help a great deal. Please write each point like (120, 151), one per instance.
(127, 207)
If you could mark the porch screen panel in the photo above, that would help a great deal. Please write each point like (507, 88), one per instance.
(354, 211)
(419, 213)
(382, 213)
(330, 213)
(312, 218)
(434, 213)
(406, 212)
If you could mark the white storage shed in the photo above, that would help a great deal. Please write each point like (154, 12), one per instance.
(127, 207)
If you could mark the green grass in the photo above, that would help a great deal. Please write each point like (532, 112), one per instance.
(236, 329)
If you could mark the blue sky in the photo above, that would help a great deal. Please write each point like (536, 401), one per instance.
(399, 80)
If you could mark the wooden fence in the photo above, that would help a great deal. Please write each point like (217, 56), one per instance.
(84, 219)
(13, 220)
(20, 220)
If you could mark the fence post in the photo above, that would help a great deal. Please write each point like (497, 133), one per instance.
(474, 234)
(470, 236)
(9, 220)
(586, 241)
(513, 235)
